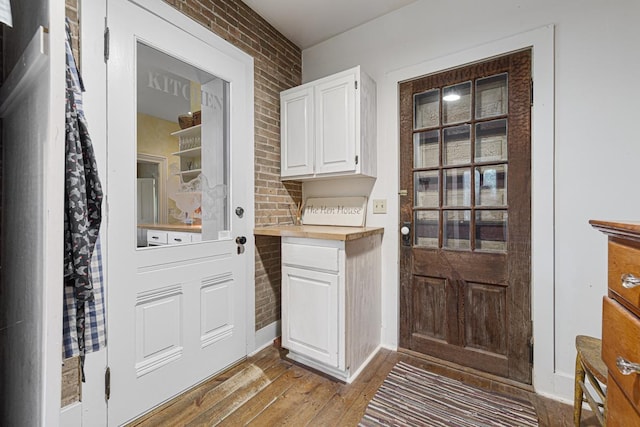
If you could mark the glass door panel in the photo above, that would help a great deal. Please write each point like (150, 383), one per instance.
(491, 186)
(491, 96)
(457, 145)
(182, 151)
(491, 141)
(457, 191)
(491, 231)
(456, 230)
(427, 189)
(458, 179)
(426, 149)
(426, 109)
(456, 107)
(427, 228)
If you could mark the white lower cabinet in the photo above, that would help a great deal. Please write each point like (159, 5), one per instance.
(312, 314)
(331, 303)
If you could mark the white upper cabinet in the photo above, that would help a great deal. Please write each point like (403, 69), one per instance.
(328, 127)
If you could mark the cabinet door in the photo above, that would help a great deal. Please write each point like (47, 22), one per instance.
(310, 314)
(336, 140)
(297, 127)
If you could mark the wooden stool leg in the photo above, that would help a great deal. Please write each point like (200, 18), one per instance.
(577, 400)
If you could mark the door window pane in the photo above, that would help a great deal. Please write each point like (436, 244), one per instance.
(427, 189)
(457, 145)
(457, 187)
(491, 185)
(426, 148)
(426, 227)
(491, 141)
(182, 151)
(426, 108)
(491, 231)
(491, 96)
(456, 105)
(456, 230)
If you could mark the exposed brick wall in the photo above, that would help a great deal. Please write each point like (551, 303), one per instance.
(277, 66)
(71, 12)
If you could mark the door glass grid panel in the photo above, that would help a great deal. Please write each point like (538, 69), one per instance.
(456, 145)
(491, 96)
(462, 198)
(456, 229)
(426, 149)
(427, 227)
(491, 141)
(456, 106)
(457, 190)
(426, 109)
(491, 185)
(427, 189)
(491, 231)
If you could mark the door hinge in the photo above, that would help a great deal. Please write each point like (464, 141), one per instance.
(356, 159)
(356, 84)
(106, 44)
(531, 342)
(107, 383)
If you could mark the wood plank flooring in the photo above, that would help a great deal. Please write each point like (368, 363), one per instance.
(266, 390)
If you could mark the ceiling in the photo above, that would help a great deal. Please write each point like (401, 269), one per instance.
(309, 22)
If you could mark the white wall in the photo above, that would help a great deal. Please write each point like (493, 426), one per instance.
(31, 283)
(584, 152)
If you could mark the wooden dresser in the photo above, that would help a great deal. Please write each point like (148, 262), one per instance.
(621, 322)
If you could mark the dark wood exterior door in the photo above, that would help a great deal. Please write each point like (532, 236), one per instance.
(466, 216)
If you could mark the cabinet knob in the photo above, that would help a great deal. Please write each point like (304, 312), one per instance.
(629, 281)
(627, 368)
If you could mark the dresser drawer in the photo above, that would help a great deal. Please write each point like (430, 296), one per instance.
(318, 257)
(621, 337)
(624, 260)
(620, 412)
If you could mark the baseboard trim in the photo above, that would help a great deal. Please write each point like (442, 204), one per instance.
(265, 336)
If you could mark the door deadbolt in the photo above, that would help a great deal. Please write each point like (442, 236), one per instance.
(239, 211)
(240, 241)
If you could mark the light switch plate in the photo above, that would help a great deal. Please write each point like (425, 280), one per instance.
(379, 206)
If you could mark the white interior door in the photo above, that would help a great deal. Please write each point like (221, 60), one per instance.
(177, 313)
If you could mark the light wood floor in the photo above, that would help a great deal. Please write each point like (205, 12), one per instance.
(266, 390)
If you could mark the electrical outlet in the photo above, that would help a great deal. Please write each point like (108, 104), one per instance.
(379, 206)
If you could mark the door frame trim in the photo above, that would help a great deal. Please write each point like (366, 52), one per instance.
(541, 40)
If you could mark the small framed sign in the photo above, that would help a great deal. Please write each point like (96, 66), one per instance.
(342, 211)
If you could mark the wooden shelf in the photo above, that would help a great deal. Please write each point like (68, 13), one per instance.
(194, 152)
(190, 172)
(187, 131)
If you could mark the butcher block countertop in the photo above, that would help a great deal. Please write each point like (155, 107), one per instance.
(326, 232)
(173, 227)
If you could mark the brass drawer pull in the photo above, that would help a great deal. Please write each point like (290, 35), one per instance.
(627, 368)
(630, 281)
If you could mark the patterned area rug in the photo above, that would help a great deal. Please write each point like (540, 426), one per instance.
(410, 396)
